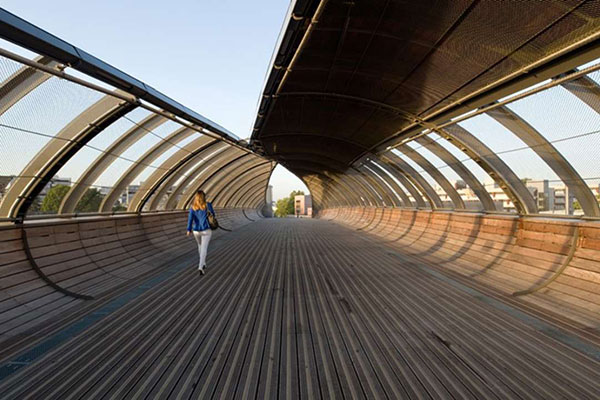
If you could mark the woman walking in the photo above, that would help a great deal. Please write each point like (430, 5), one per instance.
(198, 223)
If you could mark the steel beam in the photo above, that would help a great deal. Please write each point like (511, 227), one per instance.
(221, 179)
(23, 82)
(489, 161)
(428, 167)
(179, 172)
(399, 176)
(414, 177)
(256, 183)
(219, 165)
(586, 89)
(383, 190)
(463, 172)
(167, 169)
(552, 157)
(323, 186)
(230, 187)
(50, 159)
(106, 158)
(400, 192)
(142, 163)
(206, 158)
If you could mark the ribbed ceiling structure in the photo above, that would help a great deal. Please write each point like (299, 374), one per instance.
(359, 90)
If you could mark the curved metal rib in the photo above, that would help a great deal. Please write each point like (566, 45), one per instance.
(382, 189)
(514, 188)
(406, 202)
(206, 158)
(416, 178)
(462, 171)
(135, 169)
(178, 172)
(547, 152)
(23, 82)
(258, 181)
(414, 155)
(48, 161)
(214, 169)
(171, 166)
(105, 159)
(398, 175)
(231, 187)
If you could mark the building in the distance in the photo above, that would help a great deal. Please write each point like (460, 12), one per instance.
(303, 205)
(128, 194)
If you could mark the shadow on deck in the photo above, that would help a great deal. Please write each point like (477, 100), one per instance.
(297, 308)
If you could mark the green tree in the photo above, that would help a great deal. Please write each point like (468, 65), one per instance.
(285, 206)
(90, 202)
(53, 199)
(119, 207)
(281, 207)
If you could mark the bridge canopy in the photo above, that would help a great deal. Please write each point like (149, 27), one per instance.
(438, 85)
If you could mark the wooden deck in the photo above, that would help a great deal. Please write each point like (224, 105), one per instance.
(297, 308)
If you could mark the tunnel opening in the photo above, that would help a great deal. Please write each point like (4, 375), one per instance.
(288, 195)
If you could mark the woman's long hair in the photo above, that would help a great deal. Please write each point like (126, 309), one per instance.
(199, 201)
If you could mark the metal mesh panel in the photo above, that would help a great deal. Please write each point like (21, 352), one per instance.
(36, 118)
(466, 193)
(35, 114)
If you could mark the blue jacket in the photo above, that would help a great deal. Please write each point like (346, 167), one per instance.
(198, 220)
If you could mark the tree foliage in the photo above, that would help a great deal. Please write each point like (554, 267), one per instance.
(90, 202)
(53, 199)
(119, 207)
(285, 206)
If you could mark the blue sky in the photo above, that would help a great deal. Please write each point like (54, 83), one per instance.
(211, 55)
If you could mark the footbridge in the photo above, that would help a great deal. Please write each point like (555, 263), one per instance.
(451, 151)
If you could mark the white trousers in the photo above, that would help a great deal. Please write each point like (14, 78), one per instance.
(202, 238)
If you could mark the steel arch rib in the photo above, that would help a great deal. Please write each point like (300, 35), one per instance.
(225, 188)
(374, 188)
(23, 82)
(552, 157)
(493, 165)
(585, 89)
(326, 184)
(463, 172)
(376, 181)
(401, 192)
(165, 170)
(258, 202)
(142, 163)
(259, 190)
(357, 181)
(177, 173)
(206, 176)
(228, 192)
(48, 161)
(218, 188)
(220, 179)
(347, 189)
(417, 179)
(106, 158)
(258, 180)
(414, 155)
(400, 176)
(237, 198)
(196, 170)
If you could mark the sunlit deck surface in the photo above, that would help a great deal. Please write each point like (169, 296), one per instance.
(300, 308)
